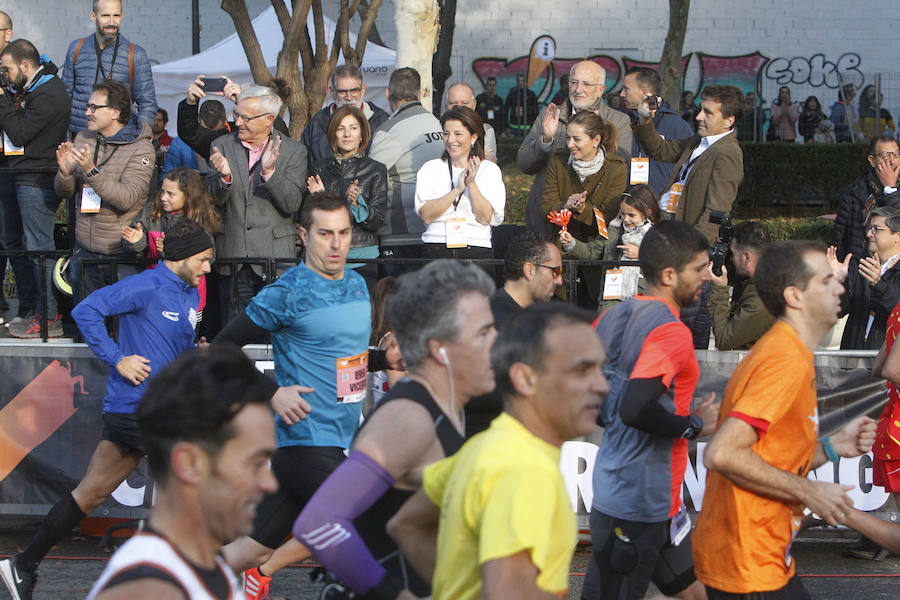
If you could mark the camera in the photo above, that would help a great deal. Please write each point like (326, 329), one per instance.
(653, 102)
(721, 248)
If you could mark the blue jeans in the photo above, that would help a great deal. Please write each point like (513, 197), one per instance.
(12, 239)
(38, 209)
(96, 275)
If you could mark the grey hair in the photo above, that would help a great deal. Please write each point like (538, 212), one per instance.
(891, 217)
(425, 305)
(602, 70)
(269, 101)
(462, 84)
(345, 72)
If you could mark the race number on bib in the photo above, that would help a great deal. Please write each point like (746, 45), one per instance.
(351, 378)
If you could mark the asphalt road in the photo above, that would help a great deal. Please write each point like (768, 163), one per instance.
(71, 568)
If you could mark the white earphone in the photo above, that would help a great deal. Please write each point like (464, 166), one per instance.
(443, 352)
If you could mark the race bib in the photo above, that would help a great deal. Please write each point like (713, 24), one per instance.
(351, 378)
(612, 284)
(490, 115)
(10, 149)
(679, 526)
(640, 170)
(601, 223)
(674, 197)
(456, 232)
(90, 200)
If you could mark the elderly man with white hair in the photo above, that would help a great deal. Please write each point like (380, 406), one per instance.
(462, 94)
(258, 180)
(587, 82)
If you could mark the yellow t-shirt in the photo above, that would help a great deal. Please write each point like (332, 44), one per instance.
(742, 542)
(502, 493)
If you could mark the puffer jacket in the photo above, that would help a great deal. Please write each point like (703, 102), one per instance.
(79, 77)
(372, 176)
(855, 204)
(126, 162)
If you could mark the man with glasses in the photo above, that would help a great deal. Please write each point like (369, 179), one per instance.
(257, 179)
(532, 268)
(877, 187)
(871, 281)
(345, 87)
(113, 161)
(587, 82)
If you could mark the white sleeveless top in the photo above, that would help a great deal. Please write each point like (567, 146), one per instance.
(149, 549)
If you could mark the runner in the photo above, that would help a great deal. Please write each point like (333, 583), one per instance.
(208, 432)
(157, 312)
(419, 422)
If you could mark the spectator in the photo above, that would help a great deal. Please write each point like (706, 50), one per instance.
(182, 195)
(532, 269)
(615, 102)
(458, 222)
(34, 121)
(490, 108)
(161, 138)
(107, 55)
(346, 87)
(750, 126)
(198, 129)
(638, 83)
(563, 92)
(877, 187)
(784, 116)
(871, 126)
(257, 180)
(587, 83)
(638, 212)
(181, 155)
(407, 140)
(113, 159)
(844, 114)
(738, 323)
(522, 106)
(810, 117)
(462, 94)
(688, 109)
(362, 181)
(871, 282)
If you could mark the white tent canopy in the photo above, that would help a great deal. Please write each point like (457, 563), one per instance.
(172, 79)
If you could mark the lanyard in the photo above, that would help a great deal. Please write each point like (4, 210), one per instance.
(97, 153)
(682, 175)
(450, 171)
(100, 70)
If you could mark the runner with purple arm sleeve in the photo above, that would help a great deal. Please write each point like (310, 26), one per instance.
(417, 423)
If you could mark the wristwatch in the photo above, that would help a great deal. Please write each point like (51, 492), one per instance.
(694, 428)
(92, 172)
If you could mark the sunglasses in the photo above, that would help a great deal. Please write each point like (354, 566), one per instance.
(557, 271)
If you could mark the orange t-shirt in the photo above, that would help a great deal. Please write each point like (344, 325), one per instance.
(742, 543)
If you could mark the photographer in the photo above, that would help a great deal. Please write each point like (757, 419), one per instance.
(738, 324)
(34, 122)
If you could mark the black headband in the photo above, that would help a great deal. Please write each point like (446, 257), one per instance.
(186, 245)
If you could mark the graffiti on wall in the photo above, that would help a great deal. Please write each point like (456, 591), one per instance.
(746, 71)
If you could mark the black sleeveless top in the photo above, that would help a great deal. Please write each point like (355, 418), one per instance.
(372, 523)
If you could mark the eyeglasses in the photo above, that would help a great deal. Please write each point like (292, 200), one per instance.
(877, 228)
(575, 83)
(886, 155)
(557, 271)
(348, 93)
(93, 107)
(246, 118)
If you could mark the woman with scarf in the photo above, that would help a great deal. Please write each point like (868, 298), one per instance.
(356, 177)
(589, 182)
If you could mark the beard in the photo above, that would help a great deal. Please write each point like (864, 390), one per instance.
(107, 35)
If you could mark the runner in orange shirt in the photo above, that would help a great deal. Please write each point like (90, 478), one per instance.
(768, 438)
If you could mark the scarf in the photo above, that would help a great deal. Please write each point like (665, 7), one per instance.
(585, 169)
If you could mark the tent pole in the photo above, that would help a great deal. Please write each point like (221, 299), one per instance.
(195, 26)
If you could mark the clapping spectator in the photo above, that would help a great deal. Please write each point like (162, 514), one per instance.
(784, 116)
(810, 117)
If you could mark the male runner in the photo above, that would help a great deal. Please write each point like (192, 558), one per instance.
(157, 312)
(639, 526)
(208, 432)
(319, 316)
(507, 528)
(768, 438)
(443, 322)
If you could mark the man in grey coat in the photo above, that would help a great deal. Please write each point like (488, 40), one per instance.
(257, 182)
(587, 82)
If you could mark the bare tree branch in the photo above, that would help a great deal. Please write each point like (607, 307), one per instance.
(365, 28)
(372, 34)
(237, 10)
(343, 26)
(284, 19)
(670, 61)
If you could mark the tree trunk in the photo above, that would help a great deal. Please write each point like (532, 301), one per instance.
(417, 34)
(670, 62)
(306, 86)
(440, 65)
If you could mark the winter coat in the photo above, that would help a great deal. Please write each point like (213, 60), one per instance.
(372, 176)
